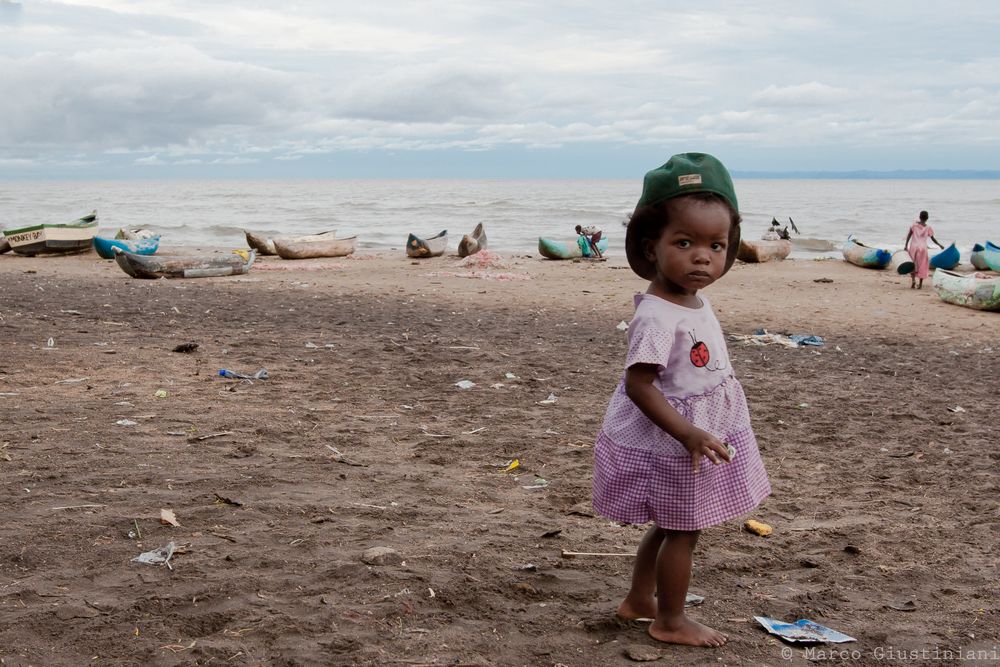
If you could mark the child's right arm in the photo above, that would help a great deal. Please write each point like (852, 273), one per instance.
(641, 390)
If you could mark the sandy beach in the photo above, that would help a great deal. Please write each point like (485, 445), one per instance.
(881, 446)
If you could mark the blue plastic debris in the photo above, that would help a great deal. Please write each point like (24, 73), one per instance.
(803, 630)
(233, 375)
(807, 340)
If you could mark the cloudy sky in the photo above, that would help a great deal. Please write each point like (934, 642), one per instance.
(453, 88)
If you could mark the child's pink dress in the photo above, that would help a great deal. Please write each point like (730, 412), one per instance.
(918, 249)
(641, 473)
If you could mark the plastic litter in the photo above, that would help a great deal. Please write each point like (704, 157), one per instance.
(514, 464)
(126, 422)
(159, 556)
(260, 374)
(803, 340)
(622, 326)
(465, 384)
(762, 337)
(548, 401)
(758, 527)
(803, 630)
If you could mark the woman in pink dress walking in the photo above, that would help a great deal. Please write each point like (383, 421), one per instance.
(678, 402)
(916, 245)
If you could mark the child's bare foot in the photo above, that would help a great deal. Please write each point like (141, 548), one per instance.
(683, 630)
(631, 610)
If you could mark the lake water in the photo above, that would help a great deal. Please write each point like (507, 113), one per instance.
(515, 213)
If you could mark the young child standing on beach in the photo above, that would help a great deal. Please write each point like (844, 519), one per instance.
(676, 447)
(916, 245)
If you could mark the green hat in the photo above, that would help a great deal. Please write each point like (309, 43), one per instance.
(683, 174)
(686, 173)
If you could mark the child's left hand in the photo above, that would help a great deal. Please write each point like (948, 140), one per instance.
(702, 443)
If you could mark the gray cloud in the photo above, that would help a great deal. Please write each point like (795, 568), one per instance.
(178, 82)
(10, 12)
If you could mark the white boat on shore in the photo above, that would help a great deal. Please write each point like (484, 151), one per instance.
(47, 238)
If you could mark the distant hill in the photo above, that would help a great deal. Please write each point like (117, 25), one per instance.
(915, 174)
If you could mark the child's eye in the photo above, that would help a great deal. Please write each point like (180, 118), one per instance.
(683, 243)
(718, 246)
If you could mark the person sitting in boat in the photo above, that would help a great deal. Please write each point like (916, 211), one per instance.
(588, 238)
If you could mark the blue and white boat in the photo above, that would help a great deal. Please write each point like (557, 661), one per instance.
(947, 259)
(991, 256)
(859, 254)
(105, 247)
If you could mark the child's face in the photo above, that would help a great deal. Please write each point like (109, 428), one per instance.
(691, 252)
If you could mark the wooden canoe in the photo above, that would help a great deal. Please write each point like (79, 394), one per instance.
(946, 259)
(472, 243)
(48, 238)
(991, 256)
(264, 244)
(195, 266)
(316, 246)
(972, 290)
(105, 247)
(565, 249)
(901, 263)
(859, 254)
(432, 247)
(757, 251)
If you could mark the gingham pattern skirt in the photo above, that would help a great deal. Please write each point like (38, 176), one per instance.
(654, 481)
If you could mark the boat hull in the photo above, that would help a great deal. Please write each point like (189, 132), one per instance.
(902, 263)
(205, 266)
(315, 247)
(264, 244)
(976, 258)
(859, 254)
(757, 251)
(432, 247)
(991, 257)
(472, 243)
(106, 247)
(551, 249)
(946, 259)
(971, 291)
(4, 245)
(53, 238)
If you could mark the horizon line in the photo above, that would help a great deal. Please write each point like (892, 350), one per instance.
(791, 174)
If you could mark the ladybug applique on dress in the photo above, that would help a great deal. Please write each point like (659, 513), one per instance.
(700, 356)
